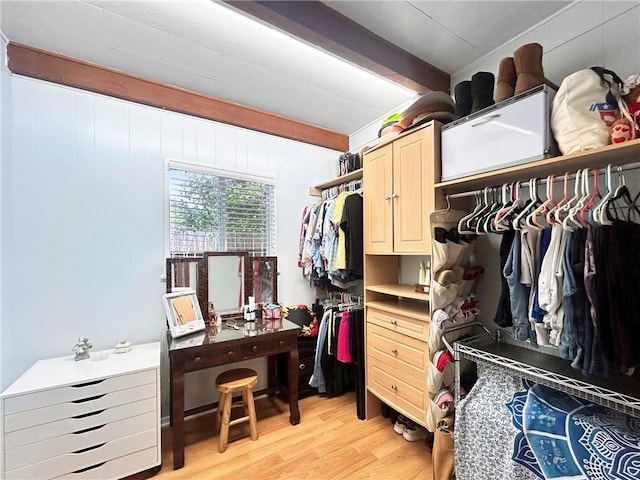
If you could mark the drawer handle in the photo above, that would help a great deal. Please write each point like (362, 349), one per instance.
(281, 342)
(197, 360)
(482, 121)
(394, 195)
(394, 322)
(90, 429)
(394, 387)
(254, 348)
(388, 197)
(86, 469)
(81, 385)
(85, 415)
(82, 450)
(230, 353)
(302, 366)
(394, 350)
(88, 399)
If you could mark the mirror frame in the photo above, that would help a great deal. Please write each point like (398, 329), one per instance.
(274, 266)
(247, 278)
(201, 290)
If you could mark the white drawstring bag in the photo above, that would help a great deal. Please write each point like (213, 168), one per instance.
(587, 103)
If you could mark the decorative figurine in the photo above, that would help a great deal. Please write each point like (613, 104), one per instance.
(81, 349)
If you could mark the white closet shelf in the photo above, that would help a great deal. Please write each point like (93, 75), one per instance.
(316, 190)
(619, 154)
(415, 310)
(399, 290)
(620, 392)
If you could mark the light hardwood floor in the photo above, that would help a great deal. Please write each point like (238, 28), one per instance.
(329, 443)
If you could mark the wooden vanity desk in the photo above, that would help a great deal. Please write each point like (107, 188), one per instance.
(209, 348)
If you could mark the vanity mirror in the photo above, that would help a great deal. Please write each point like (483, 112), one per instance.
(226, 283)
(187, 273)
(183, 313)
(264, 278)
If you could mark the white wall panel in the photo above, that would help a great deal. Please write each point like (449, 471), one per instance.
(86, 208)
(624, 32)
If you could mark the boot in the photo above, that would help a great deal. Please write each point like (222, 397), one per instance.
(528, 62)
(462, 92)
(506, 83)
(482, 90)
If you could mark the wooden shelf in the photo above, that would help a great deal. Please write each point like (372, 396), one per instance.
(417, 310)
(626, 152)
(316, 190)
(399, 290)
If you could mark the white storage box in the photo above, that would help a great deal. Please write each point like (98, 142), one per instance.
(511, 132)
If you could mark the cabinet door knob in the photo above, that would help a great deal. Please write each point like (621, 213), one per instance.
(254, 348)
(387, 197)
(394, 387)
(197, 360)
(395, 195)
(302, 366)
(394, 350)
(393, 322)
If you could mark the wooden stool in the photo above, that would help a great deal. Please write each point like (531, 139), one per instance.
(229, 382)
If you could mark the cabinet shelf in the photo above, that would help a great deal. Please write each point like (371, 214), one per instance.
(316, 190)
(600, 157)
(417, 310)
(399, 290)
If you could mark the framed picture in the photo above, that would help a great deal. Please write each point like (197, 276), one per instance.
(184, 315)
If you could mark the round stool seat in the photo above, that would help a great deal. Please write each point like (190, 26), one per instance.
(227, 383)
(236, 379)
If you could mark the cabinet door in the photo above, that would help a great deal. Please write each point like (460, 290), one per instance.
(377, 191)
(413, 172)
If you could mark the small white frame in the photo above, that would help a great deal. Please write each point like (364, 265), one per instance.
(183, 312)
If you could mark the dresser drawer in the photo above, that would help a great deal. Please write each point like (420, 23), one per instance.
(395, 392)
(85, 458)
(117, 468)
(417, 329)
(399, 352)
(90, 437)
(77, 392)
(78, 408)
(70, 425)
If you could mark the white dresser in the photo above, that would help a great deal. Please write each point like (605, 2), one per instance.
(91, 419)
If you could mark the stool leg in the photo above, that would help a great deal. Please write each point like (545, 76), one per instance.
(217, 420)
(224, 427)
(248, 400)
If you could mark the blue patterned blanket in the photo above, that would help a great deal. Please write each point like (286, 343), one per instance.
(561, 437)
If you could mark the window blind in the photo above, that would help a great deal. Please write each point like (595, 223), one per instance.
(210, 212)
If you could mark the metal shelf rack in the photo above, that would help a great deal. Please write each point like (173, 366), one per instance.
(620, 393)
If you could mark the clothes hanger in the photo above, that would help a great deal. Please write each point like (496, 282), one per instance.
(532, 218)
(574, 214)
(586, 216)
(567, 207)
(534, 202)
(504, 220)
(472, 223)
(552, 215)
(487, 221)
(622, 193)
(463, 229)
(597, 211)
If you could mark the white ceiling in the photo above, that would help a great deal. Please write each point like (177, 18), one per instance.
(210, 48)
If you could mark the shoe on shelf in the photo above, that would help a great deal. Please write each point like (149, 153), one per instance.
(401, 424)
(414, 433)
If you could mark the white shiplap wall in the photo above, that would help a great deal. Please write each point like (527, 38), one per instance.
(83, 212)
(5, 138)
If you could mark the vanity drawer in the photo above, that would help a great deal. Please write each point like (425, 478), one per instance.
(58, 445)
(69, 425)
(411, 327)
(73, 461)
(77, 392)
(78, 408)
(261, 348)
(396, 392)
(198, 360)
(399, 352)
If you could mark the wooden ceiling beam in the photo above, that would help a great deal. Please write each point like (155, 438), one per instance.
(52, 67)
(319, 25)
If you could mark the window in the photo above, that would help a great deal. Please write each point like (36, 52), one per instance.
(220, 211)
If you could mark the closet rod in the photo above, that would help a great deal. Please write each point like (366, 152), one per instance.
(556, 178)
